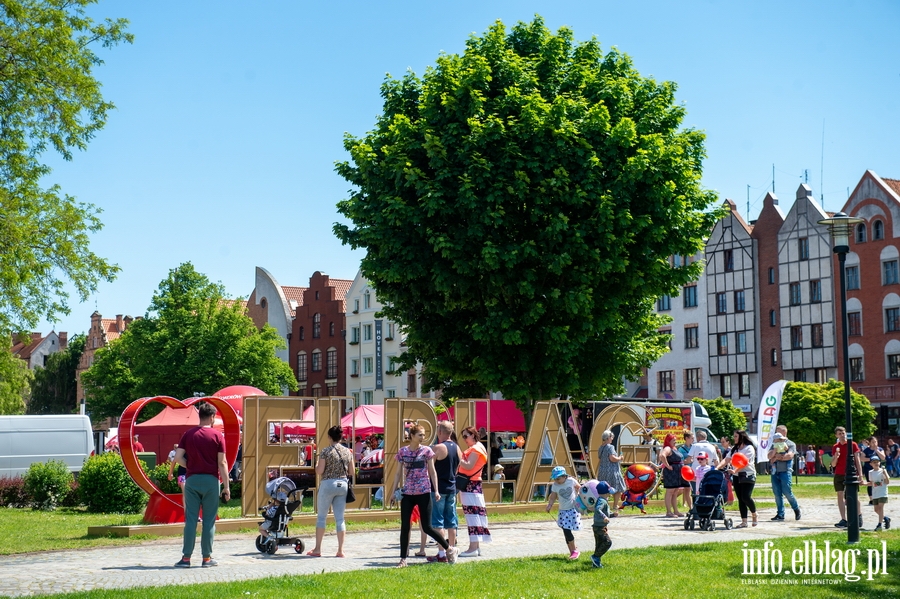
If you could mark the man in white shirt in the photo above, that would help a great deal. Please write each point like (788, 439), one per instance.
(703, 446)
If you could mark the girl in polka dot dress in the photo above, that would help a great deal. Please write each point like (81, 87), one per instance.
(566, 488)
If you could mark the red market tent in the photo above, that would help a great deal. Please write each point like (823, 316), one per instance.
(235, 395)
(163, 431)
(505, 416)
(308, 427)
(368, 420)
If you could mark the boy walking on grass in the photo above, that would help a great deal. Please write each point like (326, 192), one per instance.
(602, 542)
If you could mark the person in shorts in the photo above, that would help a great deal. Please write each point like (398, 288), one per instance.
(447, 456)
(878, 482)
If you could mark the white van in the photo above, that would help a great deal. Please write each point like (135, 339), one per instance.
(28, 439)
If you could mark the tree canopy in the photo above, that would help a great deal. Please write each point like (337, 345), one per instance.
(811, 412)
(53, 390)
(519, 205)
(49, 99)
(15, 379)
(725, 416)
(193, 339)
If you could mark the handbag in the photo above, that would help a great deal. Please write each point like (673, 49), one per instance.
(351, 496)
(462, 481)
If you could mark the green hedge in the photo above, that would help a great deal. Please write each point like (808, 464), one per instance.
(48, 484)
(106, 487)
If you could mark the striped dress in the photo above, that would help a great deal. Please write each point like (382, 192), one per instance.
(472, 497)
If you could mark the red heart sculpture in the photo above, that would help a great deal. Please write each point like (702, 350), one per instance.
(163, 508)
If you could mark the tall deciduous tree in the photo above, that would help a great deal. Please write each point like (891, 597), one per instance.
(725, 416)
(519, 204)
(15, 380)
(49, 99)
(811, 412)
(53, 390)
(193, 339)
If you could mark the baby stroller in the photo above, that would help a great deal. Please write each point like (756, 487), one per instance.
(286, 498)
(709, 504)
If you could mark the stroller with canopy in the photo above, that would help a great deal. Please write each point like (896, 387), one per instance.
(709, 503)
(286, 498)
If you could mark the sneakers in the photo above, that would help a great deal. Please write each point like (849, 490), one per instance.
(887, 522)
(574, 555)
(184, 562)
(778, 518)
(878, 528)
(208, 562)
(842, 524)
(595, 561)
(452, 552)
(437, 558)
(797, 514)
(860, 520)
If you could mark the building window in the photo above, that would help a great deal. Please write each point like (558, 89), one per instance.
(301, 334)
(878, 230)
(691, 337)
(354, 367)
(367, 332)
(854, 323)
(852, 273)
(856, 370)
(331, 389)
(692, 378)
(797, 337)
(723, 344)
(890, 272)
(356, 306)
(818, 335)
(725, 385)
(317, 388)
(368, 365)
(771, 276)
(774, 357)
(690, 296)
(815, 291)
(740, 343)
(821, 375)
(668, 333)
(391, 393)
(894, 366)
(739, 301)
(795, 294)
(301, 366)
(666, 380)
(317, 325)
(317, 361)
(676, 261)
(803, 247)
(368, 398)
(892, 320)
(355, 396)
(773, 318)
(744, 384)
(664, 303)
(721, 303)
(367, 300)
(390, 331)
(354, 335)
(331, 364)
(411, 385)
(729, 260)
(861, 233)
(331, 329)
(800, 376)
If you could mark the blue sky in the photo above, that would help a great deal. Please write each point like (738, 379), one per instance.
(230, 116)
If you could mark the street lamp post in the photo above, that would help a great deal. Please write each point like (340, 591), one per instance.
(841, 226)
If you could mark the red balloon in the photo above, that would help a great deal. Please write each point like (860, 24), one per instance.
(739, 461)
(687, 473)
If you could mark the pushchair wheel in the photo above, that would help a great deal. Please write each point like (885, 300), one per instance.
(729, 523)
(712, 525)
(260, 544)
(692, 525)
(687, 523)
(298, 547)
(272, 547)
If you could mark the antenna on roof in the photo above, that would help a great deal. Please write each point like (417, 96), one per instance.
(822, 169)
(748, 200)
(773, 177)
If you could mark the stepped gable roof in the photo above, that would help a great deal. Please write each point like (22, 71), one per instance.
(341, 287)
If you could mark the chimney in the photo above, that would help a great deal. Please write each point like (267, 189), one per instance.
(128, 321)
(120, 323)
(63, 340)
(36, 336)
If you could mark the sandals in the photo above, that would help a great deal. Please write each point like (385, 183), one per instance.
(754, 519)
(742, 524)
(402, 564)
(420, 553)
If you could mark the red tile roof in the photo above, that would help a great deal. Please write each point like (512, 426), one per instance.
(894, 184)
(108, 325)
(295, 295)
(22, 349)
(341, 287)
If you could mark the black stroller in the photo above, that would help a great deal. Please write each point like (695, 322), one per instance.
(709, 503)
(286, 498)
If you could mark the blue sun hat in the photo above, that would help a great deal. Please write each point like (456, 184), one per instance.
(557, 472)
(603, 488)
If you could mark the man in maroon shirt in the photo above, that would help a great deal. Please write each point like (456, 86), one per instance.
(839, 462)
(202, 451)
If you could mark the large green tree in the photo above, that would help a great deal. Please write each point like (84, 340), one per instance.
(725, 416)
(15, 379)
(518, 205)
(49, 99)
(812, 411)
(193, 339)
(53, 390)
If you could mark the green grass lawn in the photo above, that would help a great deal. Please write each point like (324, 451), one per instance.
(710, 570)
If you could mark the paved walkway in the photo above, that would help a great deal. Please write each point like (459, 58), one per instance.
(151, 563)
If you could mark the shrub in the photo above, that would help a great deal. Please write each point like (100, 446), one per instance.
(47, 484)
(105, 486)
(12, 492)
(160, 477)
(73, 498)
(236, 487)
